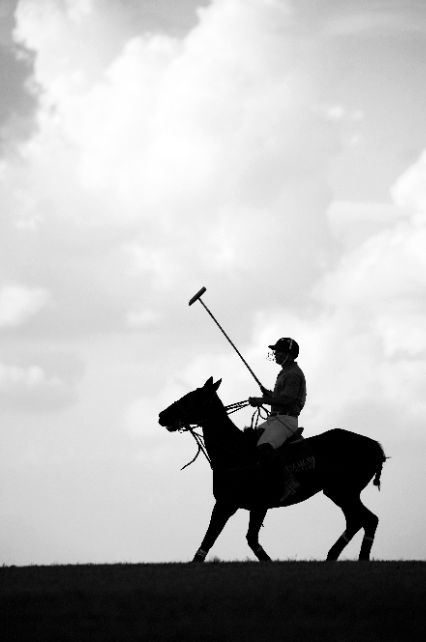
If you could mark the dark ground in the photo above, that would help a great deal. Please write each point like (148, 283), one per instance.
(294, 601)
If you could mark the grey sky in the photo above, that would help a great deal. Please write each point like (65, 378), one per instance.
(272, 151)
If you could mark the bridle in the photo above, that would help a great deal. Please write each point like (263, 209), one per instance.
(259, 413)
(201, 448)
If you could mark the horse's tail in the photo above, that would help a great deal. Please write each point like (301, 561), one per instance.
(377, 476)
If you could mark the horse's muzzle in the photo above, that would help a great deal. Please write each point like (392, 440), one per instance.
(162, 420)
(171, 426)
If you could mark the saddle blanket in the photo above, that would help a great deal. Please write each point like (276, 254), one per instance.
(297, 456)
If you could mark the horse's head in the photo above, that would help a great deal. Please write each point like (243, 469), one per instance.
(191, 408)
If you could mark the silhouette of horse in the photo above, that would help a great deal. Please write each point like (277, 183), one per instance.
(338, 462)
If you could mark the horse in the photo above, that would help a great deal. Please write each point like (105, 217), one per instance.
(337, 462)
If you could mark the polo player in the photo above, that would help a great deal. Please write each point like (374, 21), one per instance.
(286, 401)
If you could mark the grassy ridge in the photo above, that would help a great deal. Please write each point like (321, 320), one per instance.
(295, 601)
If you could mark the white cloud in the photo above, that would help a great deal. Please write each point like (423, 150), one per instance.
(387, 271)
(354, 223)
(208, 154)
(31, 376)
(409, 190)
(19, 303)
(368, 330)
(173, 160)
(30, 388)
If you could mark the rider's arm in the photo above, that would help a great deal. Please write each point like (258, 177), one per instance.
(283, 397)
(283, 401)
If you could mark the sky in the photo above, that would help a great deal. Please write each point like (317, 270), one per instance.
(273, 151)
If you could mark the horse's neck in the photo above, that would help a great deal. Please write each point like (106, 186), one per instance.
(222, 437)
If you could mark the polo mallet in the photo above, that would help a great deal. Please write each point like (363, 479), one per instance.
(197, 297)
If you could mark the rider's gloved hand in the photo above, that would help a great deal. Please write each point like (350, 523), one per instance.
(265, 391)
(256, 401)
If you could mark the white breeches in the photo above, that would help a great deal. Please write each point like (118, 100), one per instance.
(277, 430)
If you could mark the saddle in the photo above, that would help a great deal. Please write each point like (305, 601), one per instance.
(251, 483)
(295, 454)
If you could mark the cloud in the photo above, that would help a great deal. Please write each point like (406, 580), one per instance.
(372, 309)
(409, 191)
(354, 223)
(159, 162)
(19, 303)
(200, 159)
(30, 388)
(164, 162)
(378, 19)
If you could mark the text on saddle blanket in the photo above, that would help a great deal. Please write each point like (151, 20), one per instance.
(297, 456)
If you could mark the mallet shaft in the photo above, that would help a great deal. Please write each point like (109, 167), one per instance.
(197, 297)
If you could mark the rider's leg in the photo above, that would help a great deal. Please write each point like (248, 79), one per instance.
(275, 434)
(290, 486)
(266, 454)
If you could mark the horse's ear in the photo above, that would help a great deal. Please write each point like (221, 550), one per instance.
(210, 384)
(217, 384)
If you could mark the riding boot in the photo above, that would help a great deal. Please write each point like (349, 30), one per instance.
(291, 485)
(268, 462)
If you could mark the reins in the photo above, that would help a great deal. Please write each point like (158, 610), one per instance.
(233, 407)
(259, 413)
(199, 439)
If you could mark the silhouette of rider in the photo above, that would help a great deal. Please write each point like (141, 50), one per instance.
(286, 401)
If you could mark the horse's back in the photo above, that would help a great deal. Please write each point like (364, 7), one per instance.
(345, 460)
(338, 441)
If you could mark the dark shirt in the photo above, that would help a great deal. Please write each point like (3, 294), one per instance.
(290, 383)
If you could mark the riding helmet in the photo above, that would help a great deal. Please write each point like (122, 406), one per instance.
(287, 345)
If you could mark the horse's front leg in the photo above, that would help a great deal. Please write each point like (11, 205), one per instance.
(220, 515)
(257, 515)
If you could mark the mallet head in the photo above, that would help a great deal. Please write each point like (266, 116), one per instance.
(197, 296)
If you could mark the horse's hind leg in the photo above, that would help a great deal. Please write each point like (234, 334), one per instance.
(370, 522)
(257, 515)
(357, 516)
(352, 513)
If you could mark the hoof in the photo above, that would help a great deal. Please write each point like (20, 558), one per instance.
(262, 555)
(200, 556)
